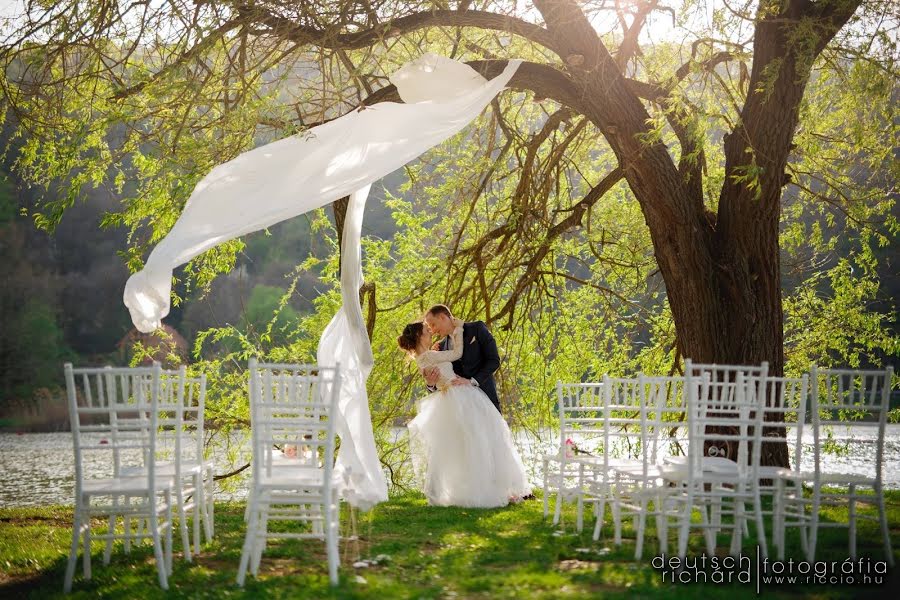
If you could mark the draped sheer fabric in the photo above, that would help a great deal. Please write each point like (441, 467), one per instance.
(300, 173)
(346, 343)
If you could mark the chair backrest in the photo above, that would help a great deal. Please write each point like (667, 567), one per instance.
(631, 420)
(841, 397)
(723, 414)
(665, 399)
(113, 414)
(785, 413)
(580, 414)
(292, 406)
(627, 418)
(181, 407)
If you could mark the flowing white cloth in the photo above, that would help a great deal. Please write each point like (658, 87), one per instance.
(294, 175)
(346, 343)
(303, 172)
(462, 450)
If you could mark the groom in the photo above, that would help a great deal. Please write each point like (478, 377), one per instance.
(479, 358)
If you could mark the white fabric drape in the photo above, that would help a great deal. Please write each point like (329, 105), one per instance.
(346, 343)
(294, 175)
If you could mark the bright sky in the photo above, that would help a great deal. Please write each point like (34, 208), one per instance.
(11, 8)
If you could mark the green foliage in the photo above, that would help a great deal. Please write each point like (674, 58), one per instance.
(8, 206)
(475, 216)
(35, 340)
(828, 321)
(268, 312)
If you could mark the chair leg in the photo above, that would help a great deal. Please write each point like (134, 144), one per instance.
(601, 507)
(73, 552)
(169, 527)
(107, 550)
(199, 504)
(778, 519)
(740, 522)
(247, 511)
(715, 515)
(601, 515)
(251, 517)
(579, 515)
(851, 521)
(709, 535)
(760, 524)
(331, 542)
(182, 520)
(642, 522)
(546, 490)
(557, 508)
(885, 532)
(161, 567)
(813, 528)
(86, 552)
(126, 522)
(662, 524)
(259, 544)
(803, 528)
(210, 506)
(616, 507)
(685, 525)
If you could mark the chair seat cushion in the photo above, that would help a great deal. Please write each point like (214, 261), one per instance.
(167, 469)
(712, 464)
(284, 475)
(636, 471)
(827, 478)
(124, 485)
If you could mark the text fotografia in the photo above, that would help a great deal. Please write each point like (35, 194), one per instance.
(764, 571)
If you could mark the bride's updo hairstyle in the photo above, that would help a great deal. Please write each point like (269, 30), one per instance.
(409, 339)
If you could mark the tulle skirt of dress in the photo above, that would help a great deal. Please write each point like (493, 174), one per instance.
(463, 452)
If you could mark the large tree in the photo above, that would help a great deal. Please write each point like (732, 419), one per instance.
(701, 125)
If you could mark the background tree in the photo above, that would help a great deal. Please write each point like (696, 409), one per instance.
(695, 135)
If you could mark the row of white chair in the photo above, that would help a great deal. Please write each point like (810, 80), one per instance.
(138, 444)
(731, 414)
(139, 457)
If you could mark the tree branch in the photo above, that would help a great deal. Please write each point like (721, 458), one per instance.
(286, 29)
(629, 46)
(531, 272)
(195, 50)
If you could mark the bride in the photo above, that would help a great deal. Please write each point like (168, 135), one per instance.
(461, 447)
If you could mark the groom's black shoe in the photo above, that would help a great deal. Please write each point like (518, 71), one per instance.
(528, 497)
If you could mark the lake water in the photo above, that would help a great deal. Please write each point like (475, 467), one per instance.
(38, 469)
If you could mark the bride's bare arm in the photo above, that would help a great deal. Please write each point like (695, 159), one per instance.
(456, 343)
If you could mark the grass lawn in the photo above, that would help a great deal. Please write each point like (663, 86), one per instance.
(433, 553)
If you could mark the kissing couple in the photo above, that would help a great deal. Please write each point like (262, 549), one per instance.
(462, 449)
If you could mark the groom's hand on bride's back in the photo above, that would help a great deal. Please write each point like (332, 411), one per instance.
(431, 375)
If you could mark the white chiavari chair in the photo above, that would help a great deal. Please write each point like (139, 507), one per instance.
(180, 456)
(718, 476)
(292, 406)
(858, 400)
(113, 414)
(655, 410)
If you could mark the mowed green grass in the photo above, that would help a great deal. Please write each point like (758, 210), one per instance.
(433, 552)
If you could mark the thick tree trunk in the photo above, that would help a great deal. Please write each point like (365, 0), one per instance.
(722, 272)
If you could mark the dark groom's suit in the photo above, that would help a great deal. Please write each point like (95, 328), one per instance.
(479, 359)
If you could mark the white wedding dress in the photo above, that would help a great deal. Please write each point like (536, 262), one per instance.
(462, 449)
